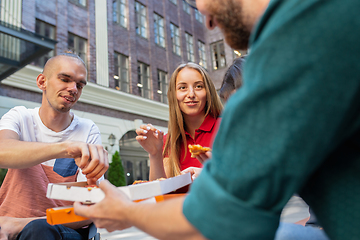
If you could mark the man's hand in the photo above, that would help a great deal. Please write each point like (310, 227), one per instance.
(11, 227)
(110, 213)
(92, 159)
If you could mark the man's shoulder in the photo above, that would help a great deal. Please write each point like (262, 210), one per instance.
(85, 124)
(22, 111)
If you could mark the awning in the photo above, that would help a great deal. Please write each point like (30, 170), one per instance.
(19, 47)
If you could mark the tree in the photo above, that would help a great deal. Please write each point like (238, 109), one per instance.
(116, 173)
(2, 175)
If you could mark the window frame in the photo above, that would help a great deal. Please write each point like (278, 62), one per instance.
(119, 69)
(78, 3)
(175, 37)
(189, 40)
(186, 7)
(163, 85)
(202, 54)
(198, 16)
(75, 49)
(239, 53)
(43, 59)
(141, 30)
(159, 30)
(144, 81)
(120, 13)
(214, 61)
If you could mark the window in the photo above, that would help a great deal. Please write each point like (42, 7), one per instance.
(173, 1)
(78, 45)
(46, 30)
(189, 47)
(218, 55)
(239, 53)
(175, 38)
(186, 7)
(79, 2)
(202, 54)
(162, 86)
(143, 80)
(140, 21)
(199, 16)
(121, 72)
(159, 31)
(119, 12)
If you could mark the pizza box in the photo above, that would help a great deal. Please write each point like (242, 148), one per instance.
(62, 215)
(76, 191)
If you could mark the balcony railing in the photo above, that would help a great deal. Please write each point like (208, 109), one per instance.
(18, 47)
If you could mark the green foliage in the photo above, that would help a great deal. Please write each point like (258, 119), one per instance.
(2, 175)
(116, 173)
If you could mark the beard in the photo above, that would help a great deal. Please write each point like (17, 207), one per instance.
(233, 24)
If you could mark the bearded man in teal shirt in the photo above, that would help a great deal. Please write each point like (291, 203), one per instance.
(294, 126)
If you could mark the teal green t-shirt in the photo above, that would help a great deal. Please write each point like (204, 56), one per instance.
(294, 126)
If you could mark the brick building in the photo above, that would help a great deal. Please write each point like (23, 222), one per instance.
(130, 49)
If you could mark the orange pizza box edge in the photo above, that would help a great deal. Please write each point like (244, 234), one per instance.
(62, 215)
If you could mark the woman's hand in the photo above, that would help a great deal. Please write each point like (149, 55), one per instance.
(151, 139)
(202, 157)
(194, 171)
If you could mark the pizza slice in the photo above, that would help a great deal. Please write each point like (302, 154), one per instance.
(90, 187)
(197, 149)
(145, 181)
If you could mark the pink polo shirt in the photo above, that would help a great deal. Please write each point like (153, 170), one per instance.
(204, 136)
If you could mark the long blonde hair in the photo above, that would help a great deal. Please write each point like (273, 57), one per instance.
(176, 129)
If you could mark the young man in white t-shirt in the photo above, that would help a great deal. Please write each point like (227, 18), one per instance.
(47, 144)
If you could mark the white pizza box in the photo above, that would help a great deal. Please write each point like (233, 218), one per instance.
(75, 191)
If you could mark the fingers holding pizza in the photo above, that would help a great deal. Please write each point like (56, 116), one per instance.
(199, 152)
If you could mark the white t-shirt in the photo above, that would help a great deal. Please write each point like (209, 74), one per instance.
(28, 125)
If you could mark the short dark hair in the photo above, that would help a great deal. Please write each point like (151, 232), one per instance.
(232, 78)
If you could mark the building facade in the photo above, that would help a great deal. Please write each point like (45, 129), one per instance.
(130, 48)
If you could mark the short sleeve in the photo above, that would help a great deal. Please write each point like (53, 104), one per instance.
(10, 121)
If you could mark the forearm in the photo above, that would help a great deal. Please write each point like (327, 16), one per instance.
(163, 220)
(11, 227)
(156, 167)
(19, 154)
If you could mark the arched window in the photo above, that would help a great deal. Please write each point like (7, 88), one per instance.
(135, 159)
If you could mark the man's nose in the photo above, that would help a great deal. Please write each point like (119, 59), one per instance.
(73, 87)
(210, 22)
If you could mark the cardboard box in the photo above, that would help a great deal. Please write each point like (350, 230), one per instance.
(75, 191)
(61, 215)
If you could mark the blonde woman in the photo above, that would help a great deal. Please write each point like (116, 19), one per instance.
(194, 109)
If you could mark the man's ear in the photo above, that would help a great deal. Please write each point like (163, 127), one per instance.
(41, 81)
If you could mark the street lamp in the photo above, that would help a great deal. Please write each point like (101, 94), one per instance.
(112, 139)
